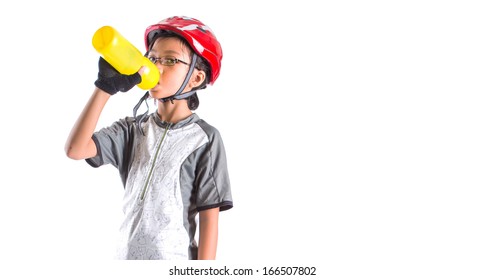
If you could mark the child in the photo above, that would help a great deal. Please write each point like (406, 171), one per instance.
(171, 162)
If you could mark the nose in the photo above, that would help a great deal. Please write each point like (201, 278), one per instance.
(156, 61)
(158, 65)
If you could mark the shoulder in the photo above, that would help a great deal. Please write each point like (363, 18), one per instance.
(125, 121)
(215, 143)
(120, 125)
(209, 130)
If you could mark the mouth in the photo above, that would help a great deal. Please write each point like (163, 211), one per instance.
(156, 86)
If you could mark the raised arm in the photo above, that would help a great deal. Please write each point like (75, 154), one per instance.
(79, 144)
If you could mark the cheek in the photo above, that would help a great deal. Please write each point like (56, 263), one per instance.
(175, 76)
(170, 82)
(172, 78)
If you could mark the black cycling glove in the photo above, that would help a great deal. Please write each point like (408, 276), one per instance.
(111, 81)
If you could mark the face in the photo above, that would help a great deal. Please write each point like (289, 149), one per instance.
(171, 76)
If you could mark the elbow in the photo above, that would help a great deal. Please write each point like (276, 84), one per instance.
(73, 153)
(75, 150)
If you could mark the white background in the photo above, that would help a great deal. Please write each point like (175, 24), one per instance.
(353, 130)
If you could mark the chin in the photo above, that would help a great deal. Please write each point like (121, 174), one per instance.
(157, 94)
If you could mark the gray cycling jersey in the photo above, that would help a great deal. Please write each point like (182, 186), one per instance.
(169, 175)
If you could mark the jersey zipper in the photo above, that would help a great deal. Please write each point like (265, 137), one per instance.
(148, 180)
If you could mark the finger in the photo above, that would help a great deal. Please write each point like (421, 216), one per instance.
(142, 70)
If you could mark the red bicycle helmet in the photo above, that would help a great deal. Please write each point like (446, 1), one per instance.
(198, 35)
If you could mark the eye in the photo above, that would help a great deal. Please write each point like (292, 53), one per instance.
(170, 61)
(152, 59)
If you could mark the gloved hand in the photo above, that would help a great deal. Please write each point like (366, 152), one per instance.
(111, 81)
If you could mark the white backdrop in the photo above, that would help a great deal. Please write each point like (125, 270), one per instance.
(353, 132)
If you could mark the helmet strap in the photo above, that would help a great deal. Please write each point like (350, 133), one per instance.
(178, 95)
(139, 119)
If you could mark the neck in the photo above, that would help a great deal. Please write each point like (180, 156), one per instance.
(173, 112)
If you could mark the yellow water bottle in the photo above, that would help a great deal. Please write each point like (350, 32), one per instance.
(124, 57)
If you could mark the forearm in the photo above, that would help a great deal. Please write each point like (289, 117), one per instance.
(79, 144)
(208, 234)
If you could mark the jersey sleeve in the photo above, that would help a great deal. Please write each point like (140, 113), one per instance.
(110, 143)
(212, 177)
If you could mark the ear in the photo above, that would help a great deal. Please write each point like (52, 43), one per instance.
(197, 79)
